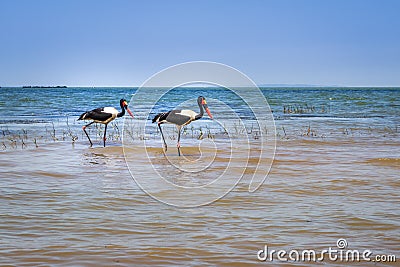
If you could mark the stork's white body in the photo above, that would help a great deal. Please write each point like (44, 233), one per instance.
(187, 113)
(112, 111)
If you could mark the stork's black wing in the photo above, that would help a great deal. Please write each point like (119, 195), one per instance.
(95, 114)
(161, 117)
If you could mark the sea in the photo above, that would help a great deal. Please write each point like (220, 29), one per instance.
(332, 159)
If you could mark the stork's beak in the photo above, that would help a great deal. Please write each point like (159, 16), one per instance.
(204, 103)
(127, 109)
(209, 113)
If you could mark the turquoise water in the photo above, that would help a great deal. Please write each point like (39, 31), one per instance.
(330, 110)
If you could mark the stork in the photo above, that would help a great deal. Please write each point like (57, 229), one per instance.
(181, 118)
(104, 115)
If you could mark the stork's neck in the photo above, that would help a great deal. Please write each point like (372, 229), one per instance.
(200, 115)
(122, 113)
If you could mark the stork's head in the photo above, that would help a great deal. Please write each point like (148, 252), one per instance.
(202, 102)
(124, 105)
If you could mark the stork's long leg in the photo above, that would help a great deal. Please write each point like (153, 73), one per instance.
(165, 144)
(84, 129)
(179, 139)
(104, 137)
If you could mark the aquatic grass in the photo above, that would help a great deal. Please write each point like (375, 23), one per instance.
(306, 109)
(192, 130)
(200, 137)
(68, 131)
(52, 132)
(24, 138)
(209, 134)
(310, 132)
(35, 142)
(284, 132)
(130, 133)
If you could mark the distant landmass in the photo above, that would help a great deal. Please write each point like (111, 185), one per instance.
(41, 86)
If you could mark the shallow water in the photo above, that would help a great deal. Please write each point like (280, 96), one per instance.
(65, 204)
(74, 205)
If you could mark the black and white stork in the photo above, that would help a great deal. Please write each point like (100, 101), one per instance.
(181, 118)
(104, 115)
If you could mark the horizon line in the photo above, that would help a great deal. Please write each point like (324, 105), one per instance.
(136, 86)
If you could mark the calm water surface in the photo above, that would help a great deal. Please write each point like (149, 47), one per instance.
(335, 175)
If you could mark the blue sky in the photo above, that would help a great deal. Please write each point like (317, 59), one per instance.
(122, 43)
